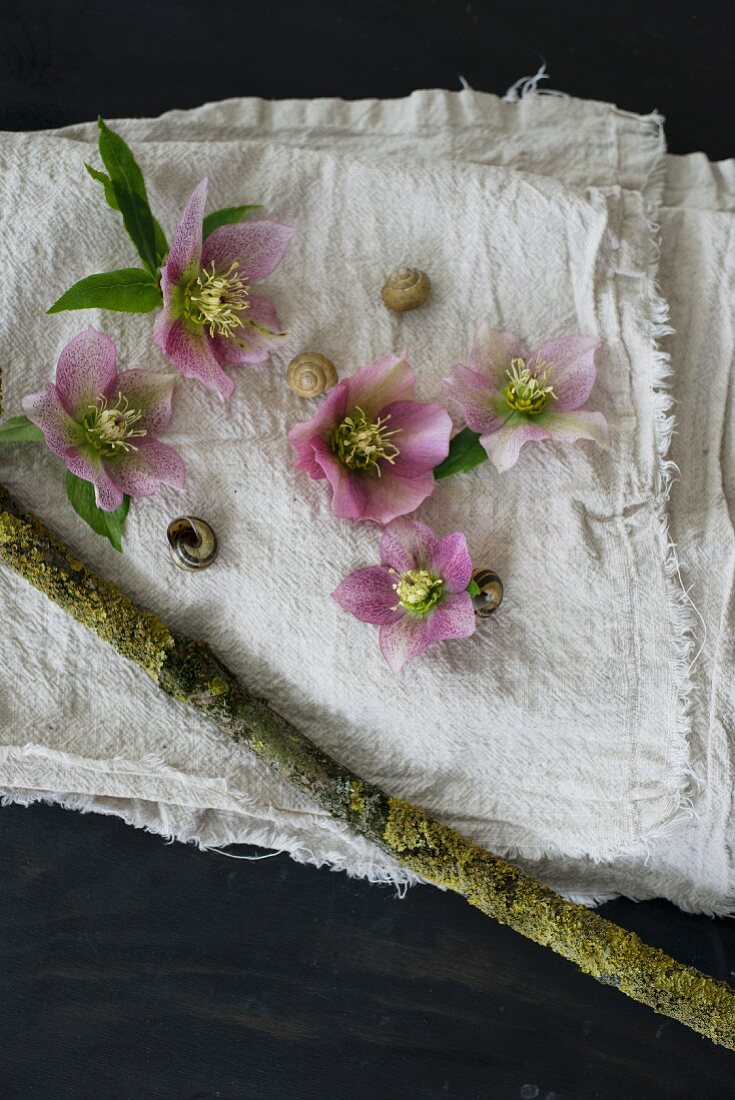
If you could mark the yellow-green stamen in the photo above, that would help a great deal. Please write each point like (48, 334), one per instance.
(109, 428)
(216, 300)
(362, 444)
(418, 591)
(526, 391)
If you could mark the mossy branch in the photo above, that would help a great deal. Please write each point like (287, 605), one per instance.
(188, 671)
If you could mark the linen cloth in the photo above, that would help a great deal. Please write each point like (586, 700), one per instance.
(514, 769)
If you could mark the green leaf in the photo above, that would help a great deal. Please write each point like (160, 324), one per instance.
(473, 588)
(104, 179)
(106, 182)
(227, 216)
(465, 452)
(129, 190)
(107, 524)
(130, 290)
(18, 429)
(161, 243)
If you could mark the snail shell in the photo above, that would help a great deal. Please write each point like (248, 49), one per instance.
(310, 374)
(192, 542)
(490, 595)
(406, 288)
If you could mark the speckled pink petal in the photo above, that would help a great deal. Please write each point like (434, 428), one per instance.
(369, 595)
(331, 412)
(139, 472)
(108, 496)
(423, 435)
(86, 370)
(504, 446)
(150, 393)
(191, 352)
(476, 396)
(403, 640)
(390, 496)
(186, 247)
(568, 427)
(454, 617)
(376, 385)
(407, 544)
(47, 413)
(452, 562)
(492, 352)
(573, 372)
(256, 247)
(253, 341)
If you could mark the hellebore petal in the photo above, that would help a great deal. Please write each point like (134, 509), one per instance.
(573, 372)
(476, 396)
(253, 341)
(391, 495)
(256, 247)
(403, 640)
(151, 393)
(423, 439)
(454, 617)
(369, 595)
(108, 496)
(492, 352)
(186, 247)
(407, 544)
(376, 385)
(331, 411)
(191, 352)
(86, 370)
(139, 472)
(504, 446)
(451, 560)
(568, 427)
(46, 411)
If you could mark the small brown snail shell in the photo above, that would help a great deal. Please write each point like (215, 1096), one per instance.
(310, 374)
(192, 542)
(406, 288)
(490, 596)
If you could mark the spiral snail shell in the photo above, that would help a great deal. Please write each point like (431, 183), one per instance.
(490, 596)
(406, 288)
(310, 374)
(192, 542)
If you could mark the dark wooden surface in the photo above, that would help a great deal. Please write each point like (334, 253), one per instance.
(135, 970)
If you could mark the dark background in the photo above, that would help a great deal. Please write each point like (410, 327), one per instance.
(134, 969)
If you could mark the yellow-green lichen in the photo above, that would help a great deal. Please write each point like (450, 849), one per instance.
(357, 802)
(217, 686)
(96, 603)
(600, 948)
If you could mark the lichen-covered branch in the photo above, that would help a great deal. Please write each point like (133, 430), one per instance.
(189, 671)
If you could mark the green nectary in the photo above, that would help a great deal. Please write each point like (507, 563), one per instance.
(189, 671)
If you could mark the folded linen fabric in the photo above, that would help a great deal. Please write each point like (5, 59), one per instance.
(527, 766)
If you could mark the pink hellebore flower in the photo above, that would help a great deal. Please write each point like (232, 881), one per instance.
(376, 445)
(210, 320)
(417, 595)
(511, 396)
(103, 423)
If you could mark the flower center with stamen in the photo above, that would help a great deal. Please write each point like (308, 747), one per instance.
(528, 392)
(362, 444)
(109, 428)
(216, 300)
(418, 591)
